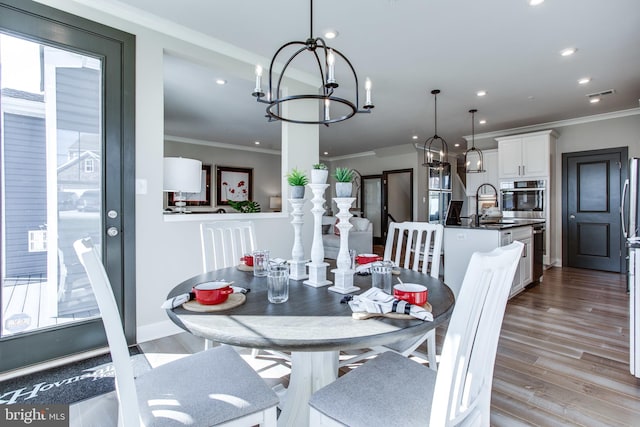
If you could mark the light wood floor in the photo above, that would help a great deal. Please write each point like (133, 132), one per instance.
(563, 356)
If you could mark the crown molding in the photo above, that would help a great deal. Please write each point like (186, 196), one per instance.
(559, 123)
(221, 145)
(121, 10)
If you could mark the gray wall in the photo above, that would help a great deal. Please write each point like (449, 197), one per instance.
(267, 177)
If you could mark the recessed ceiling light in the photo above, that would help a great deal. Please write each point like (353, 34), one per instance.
(326, 153)
(456, 145)
(257, 142)
(221, 81)
(414, 137)
(483, 122)
(568, 51)
(535, 2)
(584, 80)
(594, 100)
(481, 92)
(330, 34)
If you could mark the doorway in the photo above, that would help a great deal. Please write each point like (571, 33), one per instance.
(66, 154)
(591, 228)
(387, 197)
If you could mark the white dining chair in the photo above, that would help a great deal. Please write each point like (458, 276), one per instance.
(416, 246)
(394, 390)
(213, 387)
(223, 244)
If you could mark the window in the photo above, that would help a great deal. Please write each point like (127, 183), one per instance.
(89, 165)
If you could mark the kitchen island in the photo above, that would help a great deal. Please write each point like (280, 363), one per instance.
(461, 241)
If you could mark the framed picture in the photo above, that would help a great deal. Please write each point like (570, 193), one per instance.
(235, 184)
(203, 198)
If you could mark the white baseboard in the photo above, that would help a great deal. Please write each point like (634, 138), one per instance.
(157, 330)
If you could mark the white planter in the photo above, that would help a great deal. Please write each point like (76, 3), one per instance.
(343, 189)
(319, 176)
(297, 191)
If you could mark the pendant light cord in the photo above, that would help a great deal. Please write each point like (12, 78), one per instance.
(311, 19)
(435, 113)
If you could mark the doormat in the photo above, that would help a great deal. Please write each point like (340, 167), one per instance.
(69, 383)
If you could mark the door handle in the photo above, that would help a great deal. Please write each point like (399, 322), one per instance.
(112, 231)
(624, 195)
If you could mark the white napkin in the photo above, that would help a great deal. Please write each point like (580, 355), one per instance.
(377, 301)
(178, 300)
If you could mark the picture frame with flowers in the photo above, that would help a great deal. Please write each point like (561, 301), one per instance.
(233, 183)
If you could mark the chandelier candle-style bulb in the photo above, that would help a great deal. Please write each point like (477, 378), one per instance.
(327, 104)
(331, 72)
(367, 94)
(258, 90)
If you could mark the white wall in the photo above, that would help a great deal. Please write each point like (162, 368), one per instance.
(167, 247)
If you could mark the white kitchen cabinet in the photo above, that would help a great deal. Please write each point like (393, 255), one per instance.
(525, 156)
(524, 273)
(490, 176)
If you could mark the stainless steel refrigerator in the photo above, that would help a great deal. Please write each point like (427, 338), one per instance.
(629, 212)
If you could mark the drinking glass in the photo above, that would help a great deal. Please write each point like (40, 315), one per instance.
(381, 275)
(260, 263)
(278, 283)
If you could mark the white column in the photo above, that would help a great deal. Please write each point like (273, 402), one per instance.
(344, 273)
(297, 265)
(317, 266)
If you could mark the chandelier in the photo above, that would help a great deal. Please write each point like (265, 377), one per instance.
(472, 152)
(325, 57)
(435, 143)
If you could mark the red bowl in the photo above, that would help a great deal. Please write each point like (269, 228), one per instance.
(412, 293)
(211, 293)
(367, 258)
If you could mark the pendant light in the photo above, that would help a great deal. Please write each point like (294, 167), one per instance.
(473, 159)
(435, 143)
(326, 58)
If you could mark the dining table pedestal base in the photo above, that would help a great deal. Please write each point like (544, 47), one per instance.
(310, 371)
(318, 275)
(343, 281)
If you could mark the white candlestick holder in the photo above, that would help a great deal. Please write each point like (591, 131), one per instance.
(297, 264)
(344, 273)
(317, 266)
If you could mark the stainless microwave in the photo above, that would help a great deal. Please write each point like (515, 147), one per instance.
(523, 198)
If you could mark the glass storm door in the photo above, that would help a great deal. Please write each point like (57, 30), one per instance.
(54, 186)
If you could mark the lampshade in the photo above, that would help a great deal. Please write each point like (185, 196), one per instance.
(275, 202)
(182, 174)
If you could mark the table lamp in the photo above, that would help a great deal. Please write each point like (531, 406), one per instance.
(275, 203)
(181, 176)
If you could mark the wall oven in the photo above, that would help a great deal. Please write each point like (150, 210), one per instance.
(523, 199)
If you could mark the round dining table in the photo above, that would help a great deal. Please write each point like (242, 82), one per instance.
(315, 324)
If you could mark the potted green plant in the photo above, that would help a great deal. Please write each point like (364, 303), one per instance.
(343, 177)
(245, 206)
(319, 173)
(297, 180)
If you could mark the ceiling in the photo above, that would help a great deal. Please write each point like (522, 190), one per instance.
(407, 48)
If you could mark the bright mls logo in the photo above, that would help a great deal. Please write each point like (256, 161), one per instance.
(35, 415)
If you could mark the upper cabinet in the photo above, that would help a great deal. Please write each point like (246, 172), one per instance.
(525, 156)
(490, 176)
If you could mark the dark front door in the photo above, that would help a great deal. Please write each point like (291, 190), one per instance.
(66, 158)
(591, 209)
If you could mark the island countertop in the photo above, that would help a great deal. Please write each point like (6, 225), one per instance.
(500, 225)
